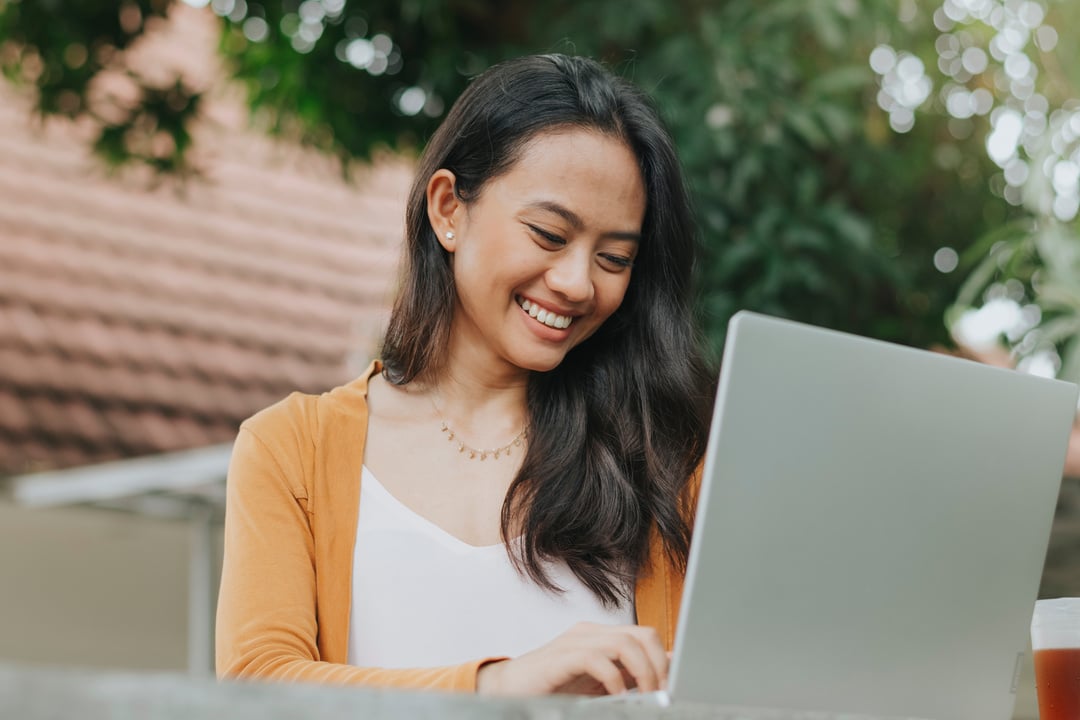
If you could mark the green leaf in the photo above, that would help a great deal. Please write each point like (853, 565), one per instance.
(804, 125)
(1070, 362)
(837, 121)
(1054, 332)
(977, 281)
(842, 80)
(827, 23)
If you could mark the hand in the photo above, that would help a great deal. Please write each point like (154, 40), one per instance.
(588, 659)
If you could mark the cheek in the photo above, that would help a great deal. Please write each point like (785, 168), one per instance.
(611, 294)
(478, 277)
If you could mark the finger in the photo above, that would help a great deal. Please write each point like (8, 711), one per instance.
(605, 672)
(658, 655)
(631, 654)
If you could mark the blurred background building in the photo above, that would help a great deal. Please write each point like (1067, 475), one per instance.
(143, 319)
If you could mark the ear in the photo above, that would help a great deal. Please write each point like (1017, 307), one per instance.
(443, 207)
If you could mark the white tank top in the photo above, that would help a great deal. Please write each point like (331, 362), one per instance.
(422, 598)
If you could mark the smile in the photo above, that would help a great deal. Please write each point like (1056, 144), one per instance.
(547, 317)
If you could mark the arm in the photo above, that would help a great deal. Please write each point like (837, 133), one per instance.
(266, 621)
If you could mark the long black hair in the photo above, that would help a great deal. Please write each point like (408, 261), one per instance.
(618, 428)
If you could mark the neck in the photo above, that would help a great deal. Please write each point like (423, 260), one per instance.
(464, 392)
(483, 400)
(472, 378)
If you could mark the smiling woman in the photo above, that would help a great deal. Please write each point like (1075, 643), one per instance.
(542, 257)
(502, 503)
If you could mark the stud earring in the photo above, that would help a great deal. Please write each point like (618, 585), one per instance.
(449, 234)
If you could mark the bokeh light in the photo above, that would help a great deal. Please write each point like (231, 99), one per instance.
(904, 85)
(1035, 147)
(946, 259)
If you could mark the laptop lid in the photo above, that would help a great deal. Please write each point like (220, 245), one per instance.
(871, 529)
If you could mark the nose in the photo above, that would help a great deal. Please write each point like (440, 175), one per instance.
(570, 275)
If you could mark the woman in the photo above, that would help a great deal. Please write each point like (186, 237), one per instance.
(521, 460)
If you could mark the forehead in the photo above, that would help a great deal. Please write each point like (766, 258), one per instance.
(595, 175)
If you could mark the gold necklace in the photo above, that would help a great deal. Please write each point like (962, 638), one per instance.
(472, 453)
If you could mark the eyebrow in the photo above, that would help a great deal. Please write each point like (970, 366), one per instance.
(576, 222)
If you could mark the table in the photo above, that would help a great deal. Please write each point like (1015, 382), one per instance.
(34, 693)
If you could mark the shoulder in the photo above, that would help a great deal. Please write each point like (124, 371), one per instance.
(301, 419)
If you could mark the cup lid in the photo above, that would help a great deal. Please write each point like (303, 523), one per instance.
(1056, 608)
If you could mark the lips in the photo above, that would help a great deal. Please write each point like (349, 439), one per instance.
(547, 317)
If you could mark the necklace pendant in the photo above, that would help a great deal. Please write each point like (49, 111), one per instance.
(470, 452)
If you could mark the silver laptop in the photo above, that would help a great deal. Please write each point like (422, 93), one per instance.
(871, 529)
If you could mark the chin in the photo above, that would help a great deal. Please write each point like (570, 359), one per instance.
(540, 367)
(539, 364)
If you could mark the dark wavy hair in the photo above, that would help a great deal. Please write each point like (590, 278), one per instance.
(618, 428)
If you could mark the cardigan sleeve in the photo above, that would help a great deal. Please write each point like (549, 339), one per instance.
(266, 617)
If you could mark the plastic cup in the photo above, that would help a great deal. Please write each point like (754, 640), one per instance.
(1055, 640)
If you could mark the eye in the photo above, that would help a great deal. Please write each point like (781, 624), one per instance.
(546, 238)
(616, 263)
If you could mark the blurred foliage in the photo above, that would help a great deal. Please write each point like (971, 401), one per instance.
(1037, 261)
(65, 49)
(811, 207)
(1033, 261)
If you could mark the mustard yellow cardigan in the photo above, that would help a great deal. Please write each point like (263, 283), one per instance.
(290, 526)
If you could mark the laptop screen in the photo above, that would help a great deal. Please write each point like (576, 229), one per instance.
(871, 528)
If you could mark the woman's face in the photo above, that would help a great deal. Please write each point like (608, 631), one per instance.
(543, 256)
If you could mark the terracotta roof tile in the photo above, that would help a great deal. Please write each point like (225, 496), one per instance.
(125, 424)
(24, 325)
(49, 416)
(138, 318)
(13, 409)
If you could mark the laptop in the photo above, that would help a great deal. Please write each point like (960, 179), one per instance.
(871, 528)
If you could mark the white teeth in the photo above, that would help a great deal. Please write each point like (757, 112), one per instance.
(546, 316)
